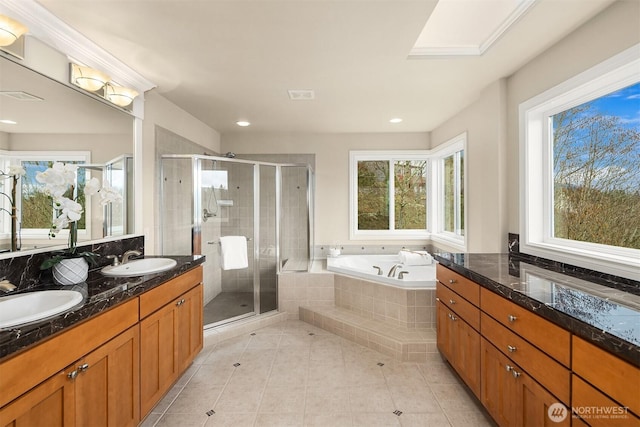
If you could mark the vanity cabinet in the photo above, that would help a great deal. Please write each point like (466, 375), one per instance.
(111, 369)
(530, 368)
(170, 334)
(59, 381)
(458, 321)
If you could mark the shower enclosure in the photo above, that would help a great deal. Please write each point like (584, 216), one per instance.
(207, 197)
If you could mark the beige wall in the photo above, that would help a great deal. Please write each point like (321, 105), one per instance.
(612, 31)
(161, 112)
(332, 168)
(484, 123)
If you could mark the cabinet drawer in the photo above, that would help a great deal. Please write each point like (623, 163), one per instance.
(459, 284)
(549, 373)
(550, 338)
(462, 307)
(597, 409)
(613, 376)
(166, 293)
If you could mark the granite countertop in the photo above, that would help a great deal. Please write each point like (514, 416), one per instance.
(100, 293)
(606, 316)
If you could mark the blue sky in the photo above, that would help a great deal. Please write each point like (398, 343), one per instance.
(624, 103)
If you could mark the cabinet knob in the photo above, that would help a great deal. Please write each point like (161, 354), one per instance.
(452, 317)
(83, 367)
(511, 348)
(451, 302)
(180, 302)
(515, 373)
(452, 281)
(72, 375)
(508, 368)
(512, 318)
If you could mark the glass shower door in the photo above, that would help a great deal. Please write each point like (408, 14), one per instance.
(227, 195)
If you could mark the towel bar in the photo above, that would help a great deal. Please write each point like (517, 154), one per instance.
(217, 242)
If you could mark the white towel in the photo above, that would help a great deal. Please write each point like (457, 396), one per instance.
(415, 258)
(234, 252)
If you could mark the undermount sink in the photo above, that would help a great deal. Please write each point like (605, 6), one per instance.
(140, 267)
(32, 306)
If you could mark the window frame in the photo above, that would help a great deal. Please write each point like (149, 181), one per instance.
(389, 156)
(536, 154)
(439, 234)
(434, 227)
(16, 158)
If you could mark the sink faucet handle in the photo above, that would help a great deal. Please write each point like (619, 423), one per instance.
(115, 259)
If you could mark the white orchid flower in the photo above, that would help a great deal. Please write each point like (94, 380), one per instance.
(109, 195)
(59, 223)
(72, 209)
(92, 187)
(16, 170)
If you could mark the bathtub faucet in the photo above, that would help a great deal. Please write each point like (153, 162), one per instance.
(392, 272)
(378, 269)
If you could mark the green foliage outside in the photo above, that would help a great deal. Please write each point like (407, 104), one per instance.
(409, 196)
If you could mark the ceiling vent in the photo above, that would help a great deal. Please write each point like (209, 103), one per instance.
(301, 95)
(21, 96)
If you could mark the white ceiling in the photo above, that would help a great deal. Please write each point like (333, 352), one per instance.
(224, 61)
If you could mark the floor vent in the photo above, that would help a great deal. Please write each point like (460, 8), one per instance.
(211, 412)
(236, 364)
(398, 413)
(380, 364)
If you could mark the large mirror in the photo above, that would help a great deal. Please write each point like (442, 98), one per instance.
(43, 121)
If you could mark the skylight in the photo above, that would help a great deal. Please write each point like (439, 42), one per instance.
(467, 27)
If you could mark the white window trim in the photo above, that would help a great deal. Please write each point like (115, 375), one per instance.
(536, 194)
(354, 157)
(15, 157)
(436, 212)
(435, 194)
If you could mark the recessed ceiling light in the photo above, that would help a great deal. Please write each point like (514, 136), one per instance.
(395, 120)
(8, 122)
(243, 123)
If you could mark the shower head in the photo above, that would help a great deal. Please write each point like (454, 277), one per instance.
(230, 155)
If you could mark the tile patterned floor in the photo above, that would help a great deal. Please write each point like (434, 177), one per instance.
(294, 374)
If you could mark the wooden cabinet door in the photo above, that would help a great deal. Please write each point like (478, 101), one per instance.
(444, 331)
(498, 391)
(50, 404)
(467, 353)
(190, 326)
(107, 384)
(515, 399)
(158, 356)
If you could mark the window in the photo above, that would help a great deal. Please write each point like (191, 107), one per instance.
(386, 206)
(35, 208)
(409, 194)
(580, 169)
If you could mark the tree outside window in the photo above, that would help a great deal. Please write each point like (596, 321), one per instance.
(596, 170)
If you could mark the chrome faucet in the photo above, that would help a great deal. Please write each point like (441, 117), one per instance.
(401, 274)
(392, 271)
(378, 269)
(129, 254)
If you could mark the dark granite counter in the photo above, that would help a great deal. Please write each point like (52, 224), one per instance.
(100, 293)
(607, 316)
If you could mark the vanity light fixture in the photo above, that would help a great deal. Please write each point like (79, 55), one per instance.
(119, 95)
(88, 78)
(10, 30)
(243, 123)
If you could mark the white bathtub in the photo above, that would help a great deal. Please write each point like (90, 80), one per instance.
(362, 266)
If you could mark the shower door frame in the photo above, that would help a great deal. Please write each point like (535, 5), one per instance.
(197, 217)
